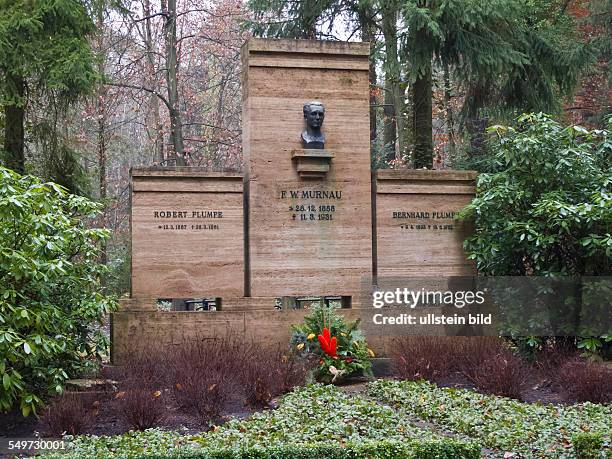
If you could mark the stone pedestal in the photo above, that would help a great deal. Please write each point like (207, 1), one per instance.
(417, 232)
(187, 233)
(314, 164)
(309, 211)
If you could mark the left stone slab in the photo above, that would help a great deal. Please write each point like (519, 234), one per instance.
(187, 233)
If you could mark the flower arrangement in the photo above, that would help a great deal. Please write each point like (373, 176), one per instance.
(339, 345)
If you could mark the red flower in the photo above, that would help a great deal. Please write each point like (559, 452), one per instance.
(328, 343)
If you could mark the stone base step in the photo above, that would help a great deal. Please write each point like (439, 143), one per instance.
(382, 367)
(89, 385)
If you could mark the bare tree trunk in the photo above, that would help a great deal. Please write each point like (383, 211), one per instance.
(368, 28)
(389, 131)
(422, 112)
(373, 83)
(157, 133)
(221, 101)
(100, 96)
(400, 107)
(312, 31)
(394, 101)
(101, 147)
(102, 171)
(476, 123)
(217, 154)
(14, 140)
(176, 124)
(450, 116)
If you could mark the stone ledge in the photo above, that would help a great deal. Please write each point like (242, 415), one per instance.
(158, 171)
(306, 46)
(425, 174)
(312, 163)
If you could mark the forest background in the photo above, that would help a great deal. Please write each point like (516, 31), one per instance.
(90, 88)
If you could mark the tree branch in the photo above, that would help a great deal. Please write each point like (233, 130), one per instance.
(142, 88)
(151, 16)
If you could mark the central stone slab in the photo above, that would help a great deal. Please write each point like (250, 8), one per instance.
(308, 215)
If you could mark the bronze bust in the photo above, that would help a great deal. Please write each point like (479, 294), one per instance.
(314, 114)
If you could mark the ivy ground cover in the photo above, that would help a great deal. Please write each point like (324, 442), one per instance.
(510, 428)
(313, 418)
(391, 420)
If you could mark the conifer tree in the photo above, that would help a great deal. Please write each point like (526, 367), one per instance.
(509, 54)
(288, 18)
(44, 53)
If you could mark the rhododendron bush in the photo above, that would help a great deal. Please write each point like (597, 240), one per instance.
(339, 345)
(51, 298)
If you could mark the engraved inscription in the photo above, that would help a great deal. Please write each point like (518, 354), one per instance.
(172, 219)
(195, 214)
(425, 220)
(305, 204)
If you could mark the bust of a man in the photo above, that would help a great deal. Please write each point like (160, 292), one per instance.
(312, 137)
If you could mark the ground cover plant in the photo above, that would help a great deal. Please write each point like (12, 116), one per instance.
(525, 430)
(317, 413)
(389, 419)
(157, 444)
(317, 421)
(51, 297)
(588, 445)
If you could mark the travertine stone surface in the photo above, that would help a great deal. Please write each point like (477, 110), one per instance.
(137, 331)
(307, 235)
(187, 234)
(306, 225)
(417, 232)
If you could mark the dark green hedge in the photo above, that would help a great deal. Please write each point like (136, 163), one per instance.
(588, 445)
(438, 449)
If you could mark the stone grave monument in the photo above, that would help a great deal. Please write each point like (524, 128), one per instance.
(306, 219)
